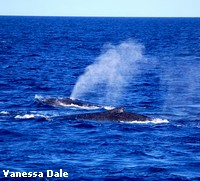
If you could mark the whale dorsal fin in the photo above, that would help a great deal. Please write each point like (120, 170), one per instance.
(117, 110)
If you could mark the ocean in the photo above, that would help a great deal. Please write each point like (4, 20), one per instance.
(148, 66)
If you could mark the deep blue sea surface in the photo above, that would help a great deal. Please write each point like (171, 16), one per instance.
(149, 66)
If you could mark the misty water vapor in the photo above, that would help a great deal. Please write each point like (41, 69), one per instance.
(110, 72)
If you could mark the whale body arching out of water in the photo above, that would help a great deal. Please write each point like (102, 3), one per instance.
(67, 102)
(116, 114)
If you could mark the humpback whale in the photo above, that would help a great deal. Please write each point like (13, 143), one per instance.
(66, 102)
(117, 115)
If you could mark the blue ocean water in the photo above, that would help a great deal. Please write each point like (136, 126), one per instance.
(66, 56)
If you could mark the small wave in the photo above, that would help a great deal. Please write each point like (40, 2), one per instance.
(4, 113)
(109, 107)
(85, 106)
(30, 116)
(77, 106)
(26, 116)
(38, 97)
(154, 121)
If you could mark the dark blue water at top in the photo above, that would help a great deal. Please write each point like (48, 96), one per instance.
(44, 56)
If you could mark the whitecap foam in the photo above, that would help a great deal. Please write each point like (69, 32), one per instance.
(109, 107)
(30, 116)
(154, 121)
(77, 106)
(38, 97)
(26, 116)
(87, 107)
(4, 113)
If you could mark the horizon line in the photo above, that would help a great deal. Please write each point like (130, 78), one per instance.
(76, 16)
